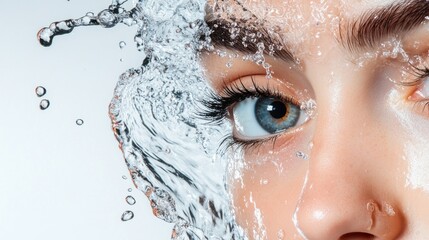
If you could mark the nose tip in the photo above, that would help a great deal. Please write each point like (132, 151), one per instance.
(329, 217)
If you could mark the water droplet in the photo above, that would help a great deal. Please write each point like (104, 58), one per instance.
(122, 44)
(124, 177)
(79, 122)
(127, 215)
(130, 189)
(130, 200)
(44, 104)
(263, 181)
(40, 91)
(302, 155)
(280, 234)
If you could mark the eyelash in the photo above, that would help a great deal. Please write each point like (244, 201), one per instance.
(421, 73)
(216, 109)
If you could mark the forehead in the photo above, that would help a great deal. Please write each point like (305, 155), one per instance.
(297, 16)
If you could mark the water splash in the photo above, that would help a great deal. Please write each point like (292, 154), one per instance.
(107, 18)
(122, 44)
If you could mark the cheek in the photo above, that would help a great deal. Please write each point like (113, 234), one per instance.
(267, 191)
(415, 144)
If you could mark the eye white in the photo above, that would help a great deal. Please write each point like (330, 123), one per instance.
(245, 119)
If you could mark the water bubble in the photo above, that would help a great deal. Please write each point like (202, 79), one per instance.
(44, 104)
(280, 234)
(302, 155)
(169, 67)
(130, 200)
(127, 215)
(79, 122)
(40, 91)
(122, 44)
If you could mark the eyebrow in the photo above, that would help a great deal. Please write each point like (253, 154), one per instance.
(245, 37)
(371, 28)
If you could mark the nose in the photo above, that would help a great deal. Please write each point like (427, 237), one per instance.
(348, 194)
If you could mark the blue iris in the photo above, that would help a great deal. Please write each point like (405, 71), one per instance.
(275, 115)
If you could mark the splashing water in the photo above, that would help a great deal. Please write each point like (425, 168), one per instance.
(154, 118)
(122, 44)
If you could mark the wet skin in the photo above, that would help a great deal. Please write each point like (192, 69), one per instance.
(367, 143)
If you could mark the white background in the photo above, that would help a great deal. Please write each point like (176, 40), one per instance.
(59, 180)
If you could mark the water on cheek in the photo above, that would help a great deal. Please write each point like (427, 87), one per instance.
(416, 150)
(266, 191)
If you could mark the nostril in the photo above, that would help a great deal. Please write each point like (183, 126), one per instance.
(357, 236)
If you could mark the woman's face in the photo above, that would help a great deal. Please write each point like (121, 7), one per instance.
(336, 141)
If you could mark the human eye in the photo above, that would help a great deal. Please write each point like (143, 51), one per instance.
(258, 112)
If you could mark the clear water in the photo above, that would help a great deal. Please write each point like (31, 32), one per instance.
(130, 200)
(40, 91)
(79, 122)
(154, 118)
(127, 216)
(44, 104)
(172, 154)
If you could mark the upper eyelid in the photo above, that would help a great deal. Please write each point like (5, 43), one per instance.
(259, 91)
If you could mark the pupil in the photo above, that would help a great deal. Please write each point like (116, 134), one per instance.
(277, 109)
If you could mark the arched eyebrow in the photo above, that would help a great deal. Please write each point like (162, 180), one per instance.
(360, 34)
(245, 37)
(371, 28)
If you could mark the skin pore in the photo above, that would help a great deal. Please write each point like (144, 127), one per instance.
(355, 167)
